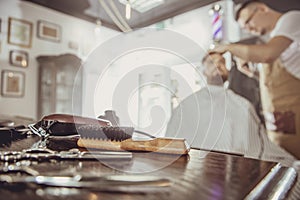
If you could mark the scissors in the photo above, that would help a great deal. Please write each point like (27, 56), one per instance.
(73, 154)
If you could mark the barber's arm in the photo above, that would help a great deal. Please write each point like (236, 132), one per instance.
(259, 53)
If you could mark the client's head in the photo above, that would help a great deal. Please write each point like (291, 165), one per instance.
(215, 69)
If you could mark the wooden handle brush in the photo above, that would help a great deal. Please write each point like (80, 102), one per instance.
(120, 138)
(160, 145)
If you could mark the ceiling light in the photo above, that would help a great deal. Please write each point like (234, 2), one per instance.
(143, 5)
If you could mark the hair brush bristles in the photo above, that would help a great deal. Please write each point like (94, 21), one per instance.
(105, 132)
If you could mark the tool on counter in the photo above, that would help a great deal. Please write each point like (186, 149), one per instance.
(63, 125)
(102, 183)
(120, 138)
(73, 154)
(99, 134)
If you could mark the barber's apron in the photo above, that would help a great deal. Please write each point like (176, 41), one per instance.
(280, 91)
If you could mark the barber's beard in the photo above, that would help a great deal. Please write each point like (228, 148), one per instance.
(215, 80)
(219, 78)
(263, 31)
(260, 32)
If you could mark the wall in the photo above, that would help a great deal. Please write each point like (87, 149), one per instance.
(73, 29)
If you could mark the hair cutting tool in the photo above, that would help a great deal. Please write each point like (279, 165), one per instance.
(73, 154)
(63, 125)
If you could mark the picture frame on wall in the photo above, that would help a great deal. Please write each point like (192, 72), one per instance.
(12, 83)
(18, 58)
(19, 32)
(49, 31)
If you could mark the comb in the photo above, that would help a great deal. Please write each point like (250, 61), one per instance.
(120, 139)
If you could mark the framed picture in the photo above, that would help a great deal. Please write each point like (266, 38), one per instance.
(13, 83)
(19, 32)
(18, 58)
(48, 31)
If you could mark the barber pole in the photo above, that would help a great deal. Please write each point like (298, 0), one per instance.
(217, 25)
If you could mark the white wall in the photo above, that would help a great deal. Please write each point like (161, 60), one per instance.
(73, 29)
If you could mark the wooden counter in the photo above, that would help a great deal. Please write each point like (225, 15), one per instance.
(201, 175)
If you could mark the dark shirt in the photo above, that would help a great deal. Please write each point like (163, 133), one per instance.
(246, 87)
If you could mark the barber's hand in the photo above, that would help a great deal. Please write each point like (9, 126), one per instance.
(283, 122)
(243, 67)
(219, 49)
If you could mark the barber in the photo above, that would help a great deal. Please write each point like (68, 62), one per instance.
(280, 73)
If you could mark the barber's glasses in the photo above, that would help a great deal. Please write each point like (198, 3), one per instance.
(250, 17)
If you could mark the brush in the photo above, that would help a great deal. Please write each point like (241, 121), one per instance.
(120, 139)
